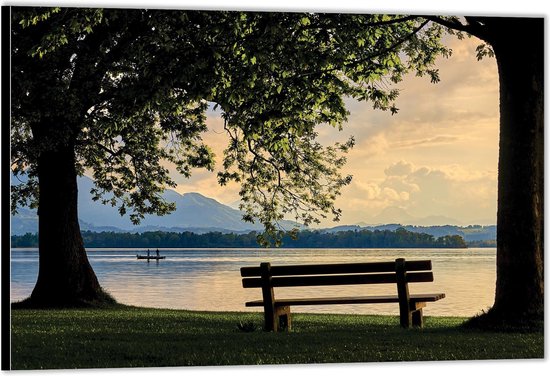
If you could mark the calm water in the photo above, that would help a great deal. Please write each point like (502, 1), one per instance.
(209, 279)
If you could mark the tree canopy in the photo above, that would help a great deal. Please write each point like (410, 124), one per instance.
(134, 86)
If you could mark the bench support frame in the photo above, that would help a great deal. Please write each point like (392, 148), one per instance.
(278, 317)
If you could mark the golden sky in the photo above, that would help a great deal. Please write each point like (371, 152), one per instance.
(437, 157)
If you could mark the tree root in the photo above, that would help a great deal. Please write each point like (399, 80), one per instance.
(501, 321)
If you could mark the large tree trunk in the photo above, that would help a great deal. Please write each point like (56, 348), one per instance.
(519, 49)
(65, 276)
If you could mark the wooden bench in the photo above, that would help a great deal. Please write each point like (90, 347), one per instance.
(399, 272)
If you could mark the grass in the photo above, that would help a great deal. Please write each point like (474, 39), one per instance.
(145, 337)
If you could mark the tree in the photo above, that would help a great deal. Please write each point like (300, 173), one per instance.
(72, 77)
(87, 89)
(520, 220)
(131, 88)
(117, 92)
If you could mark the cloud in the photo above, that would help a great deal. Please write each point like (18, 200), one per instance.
(430, 141)
(402, 184)
(453, 190)
(398, 169)
(372, 146)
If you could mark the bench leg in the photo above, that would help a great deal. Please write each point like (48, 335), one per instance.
(405, 318)
(417, 318)
(277, 321)
(270, 322)
(283, 318)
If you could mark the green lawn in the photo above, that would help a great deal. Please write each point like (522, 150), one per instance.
(136, 337)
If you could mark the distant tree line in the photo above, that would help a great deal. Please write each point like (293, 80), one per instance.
(489, 243)
(400, 238)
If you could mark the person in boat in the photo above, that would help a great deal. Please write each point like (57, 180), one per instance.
(158, 254)
(148, 253)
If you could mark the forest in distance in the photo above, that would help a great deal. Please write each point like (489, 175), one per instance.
(399, 238)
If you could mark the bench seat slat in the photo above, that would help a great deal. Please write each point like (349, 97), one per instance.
(371, 267)
(349, 300)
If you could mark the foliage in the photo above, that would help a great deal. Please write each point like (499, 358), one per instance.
(101, 88)
(112, 338)
(400, 238)
(128, 90)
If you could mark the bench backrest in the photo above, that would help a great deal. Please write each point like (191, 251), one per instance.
(337, 274)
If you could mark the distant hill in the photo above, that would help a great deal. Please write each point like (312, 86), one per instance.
(471, 233)
(194, 212)
(393, 214)
(200, 214)
(25, 221)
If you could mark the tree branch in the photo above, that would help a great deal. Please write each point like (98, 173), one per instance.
(391, 22)
(373, 55)
(368, 24)
(111, 152)
(474, 27)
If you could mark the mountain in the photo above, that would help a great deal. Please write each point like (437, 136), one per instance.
(194, 212)
(434, 220)
(200, 214)
(24, 221)
(469, 233)
(342, 228)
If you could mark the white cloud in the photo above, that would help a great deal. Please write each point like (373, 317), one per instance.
(451, 191)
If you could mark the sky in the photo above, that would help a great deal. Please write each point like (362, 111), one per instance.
(437, 157)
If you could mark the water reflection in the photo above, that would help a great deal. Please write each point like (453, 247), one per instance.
(209, 279)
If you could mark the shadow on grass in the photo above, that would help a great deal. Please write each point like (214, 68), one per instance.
(102, 300)
(144, 337)
(494, 321)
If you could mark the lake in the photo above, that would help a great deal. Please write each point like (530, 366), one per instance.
(209, 279)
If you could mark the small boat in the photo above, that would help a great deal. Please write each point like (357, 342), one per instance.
(142, 257)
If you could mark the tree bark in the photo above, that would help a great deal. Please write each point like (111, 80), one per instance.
(519, 49)
(65, 276)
